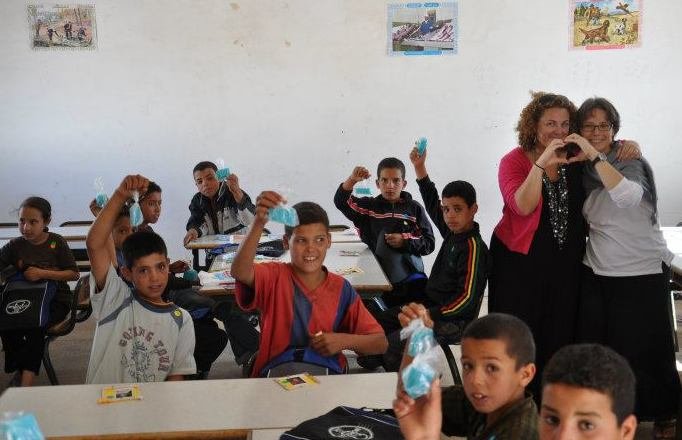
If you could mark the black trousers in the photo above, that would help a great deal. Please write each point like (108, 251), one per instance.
(24, 348)
(631, 315)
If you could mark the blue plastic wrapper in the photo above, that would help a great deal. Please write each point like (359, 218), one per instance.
(223, 173)
(190, 275)
(101, 199)
(363, 191)
(421, 146)
(417, 378)
(285, 215)
(421, 341)
(20, 426)
(136, 217)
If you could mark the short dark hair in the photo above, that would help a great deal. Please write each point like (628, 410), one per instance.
(153, 187)
(587, 107)
(391, 162)
(598, 368)
(510, 329)
(308, 213)
(40, 204)
(201, 166)
(531, 114)
(140, 244)
(124, 212)
(460, 188)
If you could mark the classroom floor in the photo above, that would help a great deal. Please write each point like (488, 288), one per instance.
(70, 356)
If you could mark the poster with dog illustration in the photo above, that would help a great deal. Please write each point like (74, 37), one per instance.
(422, 28)
(605, 24)
(62, 26)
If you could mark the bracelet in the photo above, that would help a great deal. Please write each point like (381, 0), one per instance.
(536, 164)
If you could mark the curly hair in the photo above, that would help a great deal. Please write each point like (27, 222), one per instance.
(531, 114)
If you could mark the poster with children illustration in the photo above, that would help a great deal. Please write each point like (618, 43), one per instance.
(422, 28)
(62, 26)
(605, 24)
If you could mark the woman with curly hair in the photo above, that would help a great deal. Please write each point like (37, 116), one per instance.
(538, 245)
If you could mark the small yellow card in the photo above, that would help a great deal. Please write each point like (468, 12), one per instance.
(112, 394)
(297, 381)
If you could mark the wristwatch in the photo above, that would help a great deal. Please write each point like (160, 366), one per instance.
(599, 157)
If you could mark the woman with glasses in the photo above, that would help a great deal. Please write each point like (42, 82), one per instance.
(625, 293)
(538, 245)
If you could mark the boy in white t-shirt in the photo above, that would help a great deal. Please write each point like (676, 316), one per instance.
(139, 336)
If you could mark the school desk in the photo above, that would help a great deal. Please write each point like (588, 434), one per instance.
(228, 408)
(370, 279)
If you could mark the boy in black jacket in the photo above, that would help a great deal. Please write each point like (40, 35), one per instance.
(393, 226)
(220, 207)
(459, 274)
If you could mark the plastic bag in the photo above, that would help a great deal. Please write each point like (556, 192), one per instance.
(421, 337)
(19, 426)
(284, 214)
(223, 172)
(421, 145)
(363, 189)
(421, 372)
(136, 217)
(101, 198)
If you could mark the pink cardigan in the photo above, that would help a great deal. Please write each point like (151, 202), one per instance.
(515, 230)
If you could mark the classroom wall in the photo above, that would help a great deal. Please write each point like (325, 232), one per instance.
(293, 94)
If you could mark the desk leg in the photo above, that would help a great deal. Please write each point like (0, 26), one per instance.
(195, 260)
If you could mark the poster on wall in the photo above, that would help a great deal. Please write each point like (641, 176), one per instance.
(422, 28)
(605, 24)
(62, 26)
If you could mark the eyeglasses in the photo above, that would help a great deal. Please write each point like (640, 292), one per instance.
(604, 126)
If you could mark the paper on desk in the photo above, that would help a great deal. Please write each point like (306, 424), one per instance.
(220, 278)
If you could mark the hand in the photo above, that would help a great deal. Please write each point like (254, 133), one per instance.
(551, 156)
(420, 419)
(416, 159)
(359, 174)
(394, 240)
(192, 234)
(133, 183)
(628, 150)
(585, 146)
(178, 266)
(94, 208)
(327, 344)
(233, 185)
(33, 273)
(413, 311)
(265, 201)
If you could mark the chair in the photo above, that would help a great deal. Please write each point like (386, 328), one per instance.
(9, 225)
(447, 341)
(77, 223)
(82, 259)
(79, 311)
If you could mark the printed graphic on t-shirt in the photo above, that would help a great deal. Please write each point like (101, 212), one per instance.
(144, 355)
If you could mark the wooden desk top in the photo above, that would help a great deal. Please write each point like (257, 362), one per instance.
(195, 409)
(372, 278)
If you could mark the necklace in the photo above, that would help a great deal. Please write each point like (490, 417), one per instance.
(557, 201)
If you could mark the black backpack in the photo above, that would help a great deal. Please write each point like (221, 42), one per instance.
(349, 424)
(26, 304)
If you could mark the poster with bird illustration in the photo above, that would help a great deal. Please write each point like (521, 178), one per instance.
(605, 24)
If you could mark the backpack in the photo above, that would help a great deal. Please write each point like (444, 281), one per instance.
(26, 304)
(347, 423)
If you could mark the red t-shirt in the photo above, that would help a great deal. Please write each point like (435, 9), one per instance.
(290, 313)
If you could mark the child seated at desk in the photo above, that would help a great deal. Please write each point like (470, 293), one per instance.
(393, 226)
(220, 207)
(307, 314)
(139, 337)
(497, 364)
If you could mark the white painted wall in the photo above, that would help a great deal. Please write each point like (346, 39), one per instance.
(295, 93)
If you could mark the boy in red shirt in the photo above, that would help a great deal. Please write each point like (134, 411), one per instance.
(307, 314)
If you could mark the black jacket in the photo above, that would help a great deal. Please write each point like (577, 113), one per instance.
(376, 216)
(224, 216)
